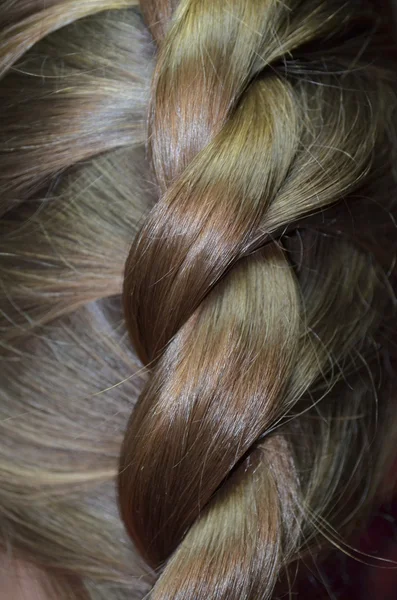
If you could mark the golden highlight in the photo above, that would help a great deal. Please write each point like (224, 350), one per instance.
(249, 426)
(262, 114)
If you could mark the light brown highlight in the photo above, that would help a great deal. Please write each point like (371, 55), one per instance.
(197, 336)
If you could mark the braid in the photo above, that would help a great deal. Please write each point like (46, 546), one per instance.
(261, 321)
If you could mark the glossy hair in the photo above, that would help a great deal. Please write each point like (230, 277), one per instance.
(258, 293)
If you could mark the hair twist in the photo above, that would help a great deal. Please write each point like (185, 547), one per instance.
(259, 318)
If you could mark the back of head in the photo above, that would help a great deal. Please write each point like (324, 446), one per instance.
(247, 256)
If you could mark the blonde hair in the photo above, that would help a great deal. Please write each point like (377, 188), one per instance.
(259, 291)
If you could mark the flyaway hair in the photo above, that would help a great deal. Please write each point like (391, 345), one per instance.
(197, 290)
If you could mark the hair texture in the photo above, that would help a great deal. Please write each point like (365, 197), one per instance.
(258, 293)
(258, 428)
(74, 189)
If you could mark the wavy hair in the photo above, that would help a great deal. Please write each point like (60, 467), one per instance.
(258, 293)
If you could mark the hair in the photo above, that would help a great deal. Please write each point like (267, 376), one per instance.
(223, 271)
